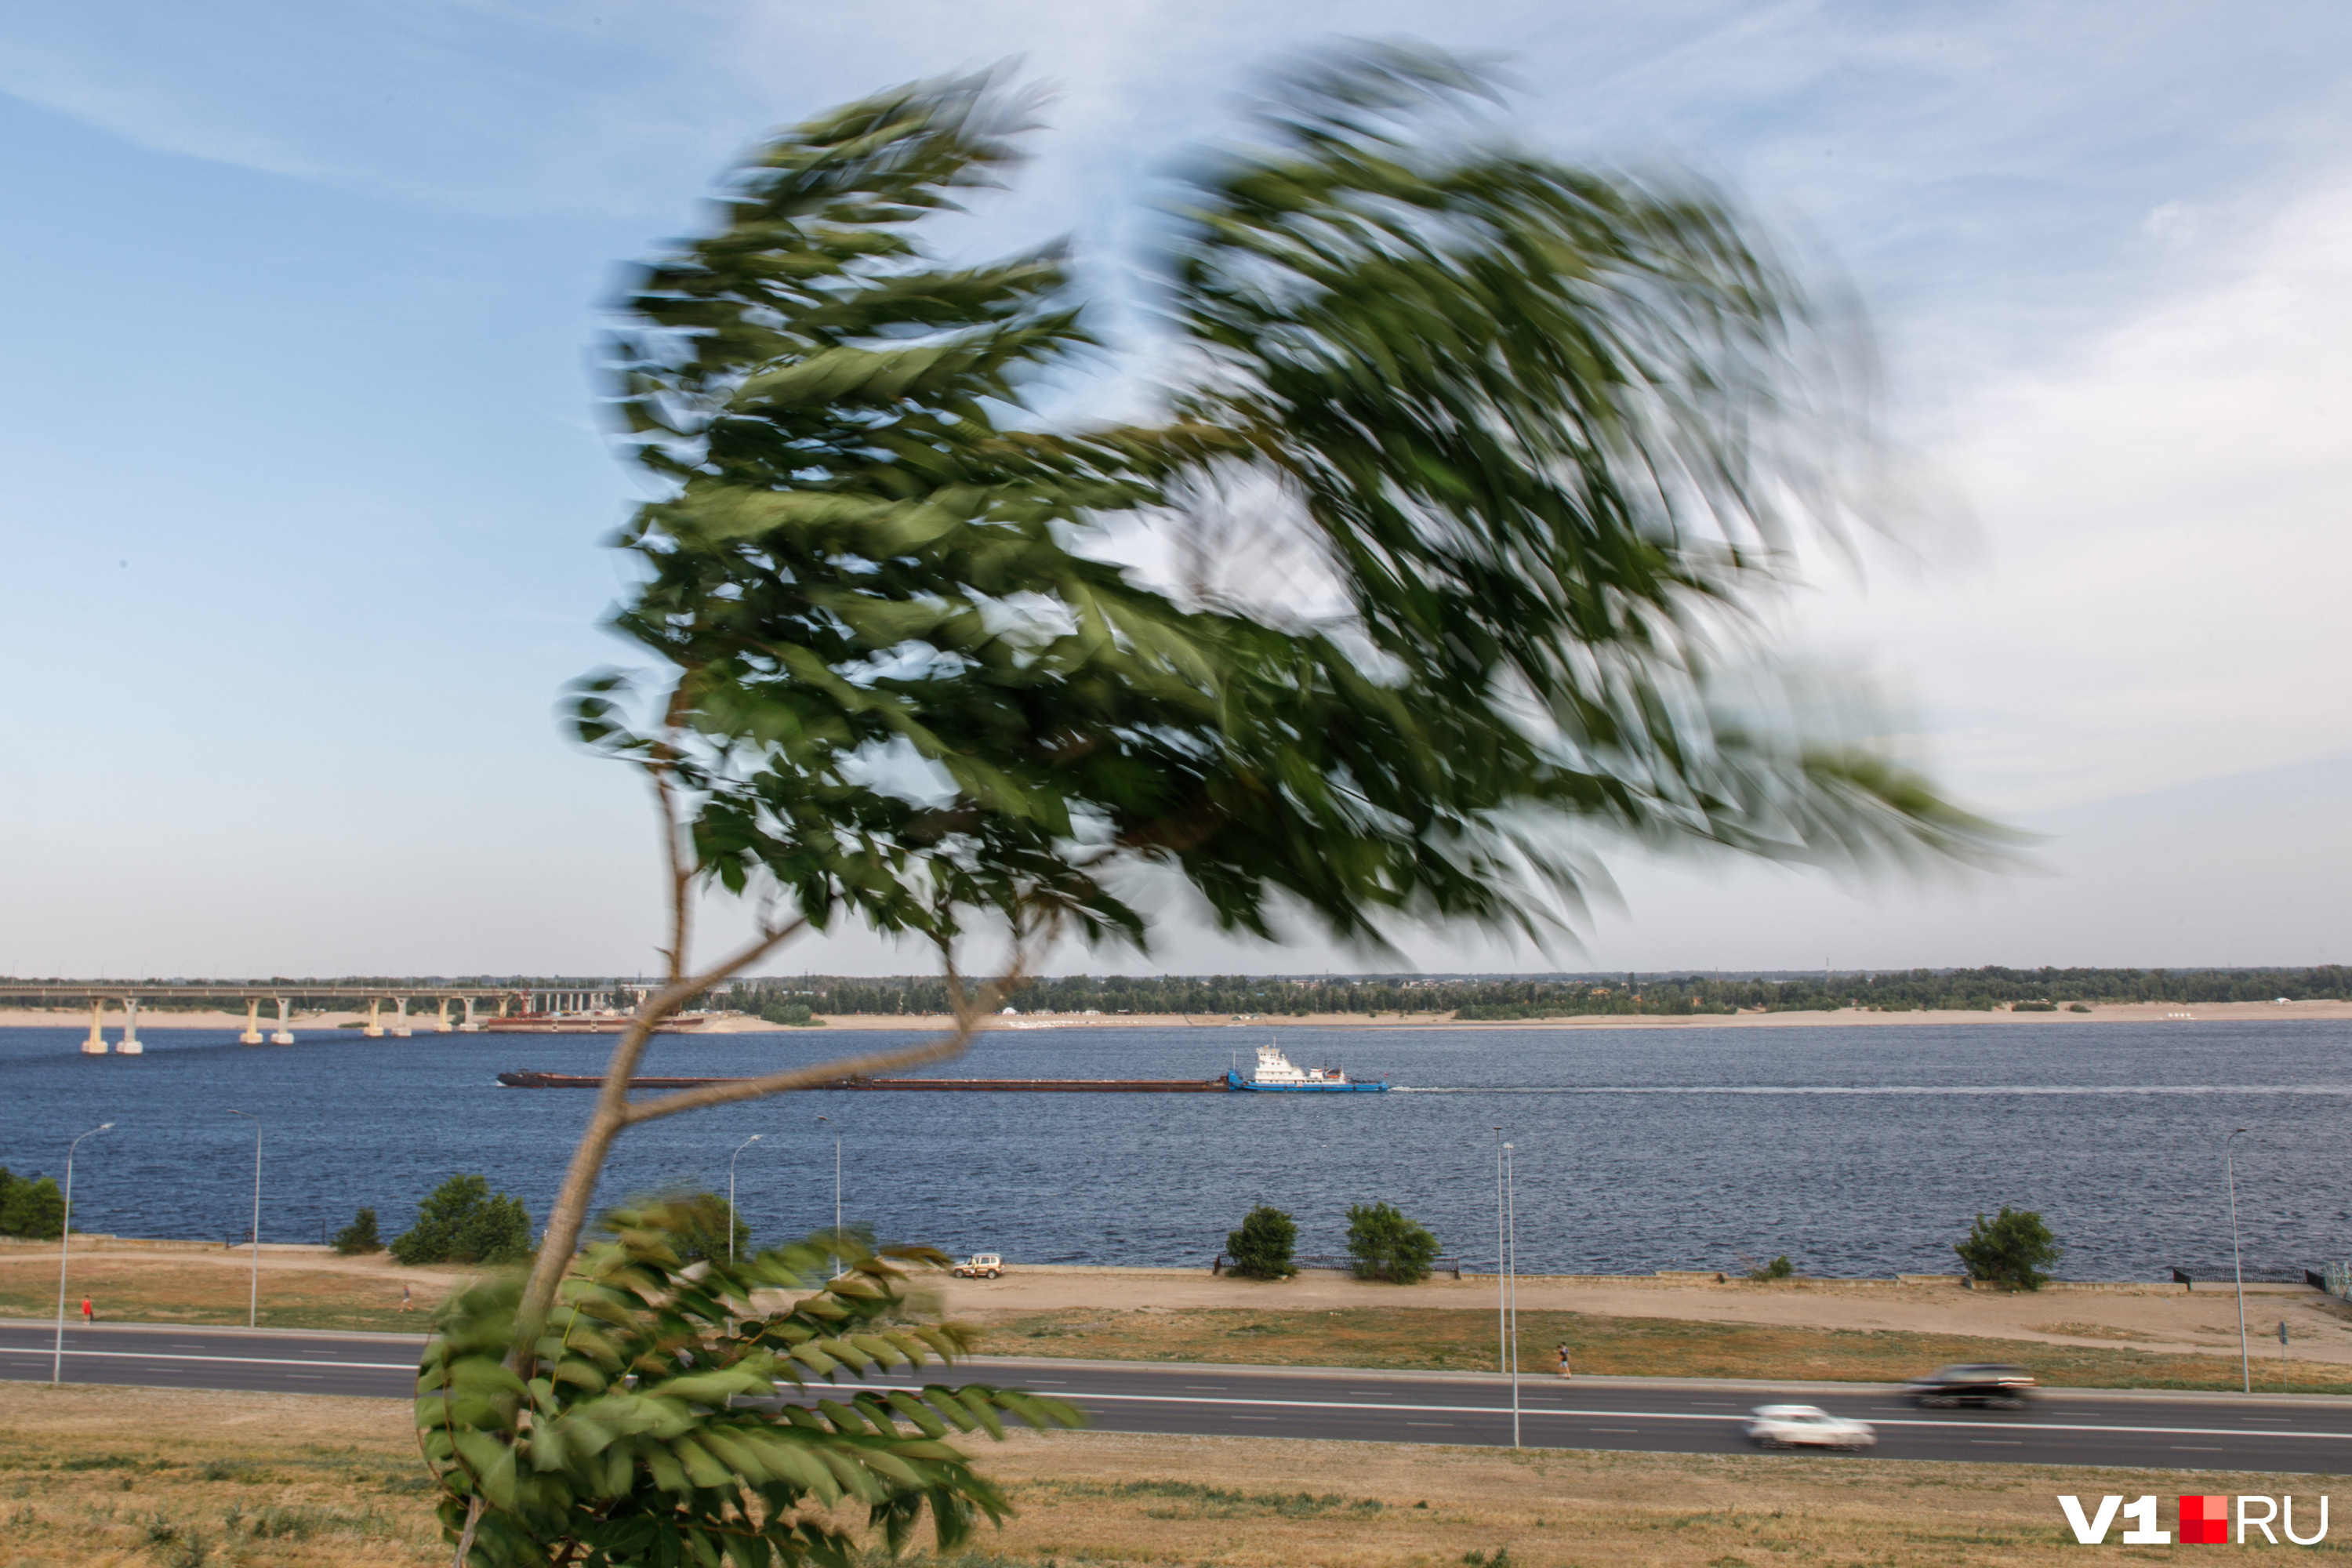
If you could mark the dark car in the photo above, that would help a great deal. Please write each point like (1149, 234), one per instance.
(1974, 1382)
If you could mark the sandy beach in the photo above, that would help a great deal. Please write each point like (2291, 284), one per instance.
(2101, 1013)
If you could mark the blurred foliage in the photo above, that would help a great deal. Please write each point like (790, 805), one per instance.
(1544, 429)
(651, 1430)
(700, 1227)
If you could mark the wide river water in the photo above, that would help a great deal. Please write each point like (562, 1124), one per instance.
(1855, 1150)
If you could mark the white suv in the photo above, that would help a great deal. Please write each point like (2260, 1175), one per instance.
(1806, 1427)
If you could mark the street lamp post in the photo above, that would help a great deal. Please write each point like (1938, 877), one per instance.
(2238, 1264)
(1502, 1300)
(65, 1242)
(731, 1193)
(252, 1299)
(836, 1192)
(1511, 1276)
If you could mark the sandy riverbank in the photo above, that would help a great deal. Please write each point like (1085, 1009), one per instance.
(2150, 1317)
(2139, 1316)
(2102, 1013)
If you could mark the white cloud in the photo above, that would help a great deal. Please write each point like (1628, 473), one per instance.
(2165, 516)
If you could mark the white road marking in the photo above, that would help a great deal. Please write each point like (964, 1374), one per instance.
(234, 1359)
(1669, 1415)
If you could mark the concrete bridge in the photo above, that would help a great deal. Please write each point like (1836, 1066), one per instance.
(127, 998)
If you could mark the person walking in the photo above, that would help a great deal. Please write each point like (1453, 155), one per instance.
(406, 1305)
(87, 1314)
(1564, 1370)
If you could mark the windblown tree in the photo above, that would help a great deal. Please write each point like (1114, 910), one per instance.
(1542, 435)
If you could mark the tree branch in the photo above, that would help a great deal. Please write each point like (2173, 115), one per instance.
(674, 860)
(569, 1216)
(939, 1048)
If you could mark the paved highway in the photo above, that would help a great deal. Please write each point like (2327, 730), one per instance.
(2308, 1434)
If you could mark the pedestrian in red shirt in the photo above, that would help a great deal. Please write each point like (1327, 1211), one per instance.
(88, 1316)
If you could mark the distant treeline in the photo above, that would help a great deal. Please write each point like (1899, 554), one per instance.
(1505, 996)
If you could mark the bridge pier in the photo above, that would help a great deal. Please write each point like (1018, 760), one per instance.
(129, 1045)
(281, 1036)
(400, 1029)
(374, 1031)
(96, 1045)
(444, 1025)
(252, 1036)
(469, 1026)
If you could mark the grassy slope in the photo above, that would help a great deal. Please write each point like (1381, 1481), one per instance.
(150, 1290)
(1439, 1339)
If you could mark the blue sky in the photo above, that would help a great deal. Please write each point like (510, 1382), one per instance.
(304, 483)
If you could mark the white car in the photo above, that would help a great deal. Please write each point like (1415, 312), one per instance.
(1806, 1427)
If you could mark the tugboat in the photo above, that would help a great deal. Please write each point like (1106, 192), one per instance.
(1277, 1075)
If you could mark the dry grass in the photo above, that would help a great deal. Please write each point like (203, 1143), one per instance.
(161, 1290)
(175, 1479)
(1438, 1339)
(187, 1480)
(1094, 1497)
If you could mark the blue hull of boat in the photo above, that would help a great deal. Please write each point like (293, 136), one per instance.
(1234, 1080)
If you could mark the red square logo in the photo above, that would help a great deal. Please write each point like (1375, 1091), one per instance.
(2205, 1520)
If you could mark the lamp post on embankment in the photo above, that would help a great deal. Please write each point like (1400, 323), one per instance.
(731, 1193)
(253, 1298)
(1506, 1274)
(2238, 1264)
(1511, 1276)
(836, 1192)
(1502, 1300)
(65, 1243)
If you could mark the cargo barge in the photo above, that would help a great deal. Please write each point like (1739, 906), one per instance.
(1275, 1074)
(1017, 1085)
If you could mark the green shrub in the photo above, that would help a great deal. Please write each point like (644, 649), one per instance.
(33, 1210)
(792, 1015)
(1779, 1268)
(359, 1235)
(462, 1222)
(2012, 1249)
(1387, 1246)
(1260, 1249)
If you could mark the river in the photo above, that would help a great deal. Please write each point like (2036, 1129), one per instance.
(1854, 1149)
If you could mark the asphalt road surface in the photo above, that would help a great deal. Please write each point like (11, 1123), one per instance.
(2306, 1433)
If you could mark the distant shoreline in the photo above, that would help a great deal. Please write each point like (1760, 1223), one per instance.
(1848, 1018)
